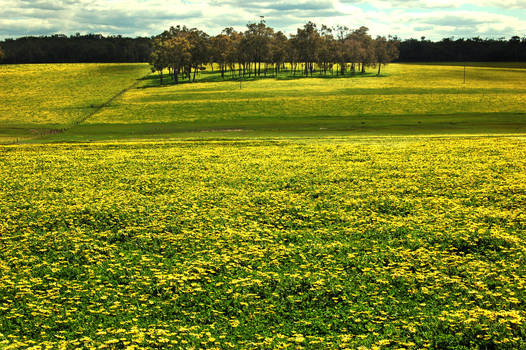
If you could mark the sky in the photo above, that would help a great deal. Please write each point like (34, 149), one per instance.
(433, 19)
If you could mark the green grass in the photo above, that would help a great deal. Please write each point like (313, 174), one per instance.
(39, 99)
(406, 100)
(518, 65)
(75, 103)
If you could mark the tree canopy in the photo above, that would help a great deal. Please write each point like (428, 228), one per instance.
(260, 50)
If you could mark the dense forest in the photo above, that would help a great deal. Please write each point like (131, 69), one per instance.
(77, 48)
(473, 50)
(97, 48)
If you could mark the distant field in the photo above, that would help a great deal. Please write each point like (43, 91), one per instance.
(519, 65)
(407, 90)
(39, 98)
(409, 99)
(329, 243)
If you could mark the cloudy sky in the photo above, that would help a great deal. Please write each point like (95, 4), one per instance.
(434, 19)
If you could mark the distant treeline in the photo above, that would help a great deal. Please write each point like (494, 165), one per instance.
(474, 50)
(78, 48)
(97, 48)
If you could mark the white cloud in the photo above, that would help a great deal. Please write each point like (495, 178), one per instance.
(506, 4)
(409, 18)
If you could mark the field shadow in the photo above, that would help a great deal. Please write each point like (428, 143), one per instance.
(154, 80)
(439, 124)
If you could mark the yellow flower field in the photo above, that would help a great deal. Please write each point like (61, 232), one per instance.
(379, 242)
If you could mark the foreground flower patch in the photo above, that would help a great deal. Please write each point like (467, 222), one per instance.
(373, 242)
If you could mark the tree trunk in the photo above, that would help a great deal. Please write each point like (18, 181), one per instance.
(161, 77)
(379, 68)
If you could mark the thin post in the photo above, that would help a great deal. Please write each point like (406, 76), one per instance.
(464, 74)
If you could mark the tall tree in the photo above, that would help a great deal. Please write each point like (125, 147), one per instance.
(308, 44)
(199, 50)
(354, 52)
(278, 50)
(159, 57)
(220, 47)
(235, 54)
(172, 50)
(341, 53)
(257, 43)
(367, 55)
(385, 51)
(2, 54)
(179, 54)
(325, 49)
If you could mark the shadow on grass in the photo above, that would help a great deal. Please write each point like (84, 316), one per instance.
(444, 124)
(154, 80)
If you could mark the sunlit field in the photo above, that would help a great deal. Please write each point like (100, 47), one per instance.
(344, 242)
(324, 212)
(408, 99)
(41, 98)
(405, 90)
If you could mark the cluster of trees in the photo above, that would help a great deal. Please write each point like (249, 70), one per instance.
(474, 49)
(261, 50)
(77, 48)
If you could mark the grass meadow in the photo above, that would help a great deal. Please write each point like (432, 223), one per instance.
(361, 212)
(39, 99)
(409, 99)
